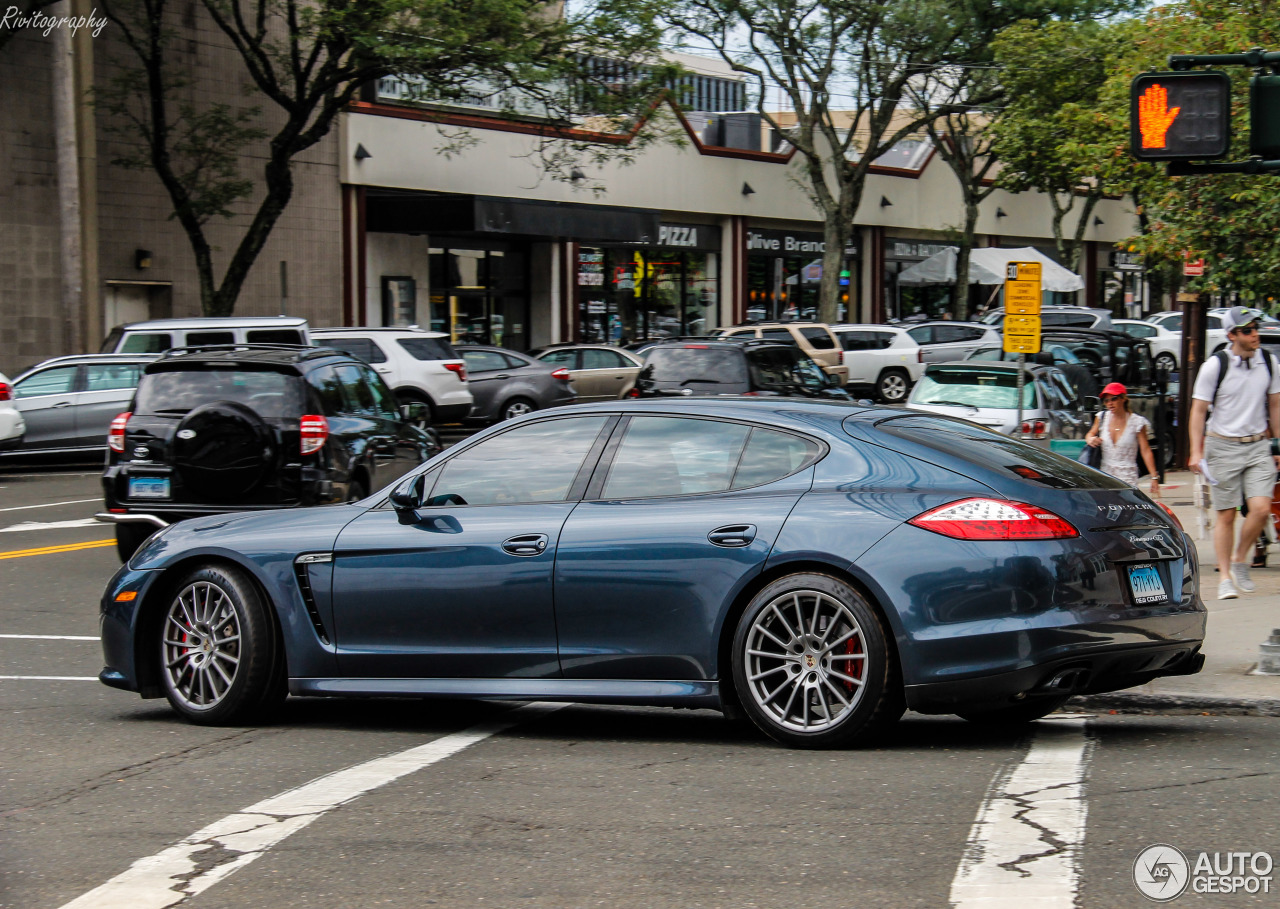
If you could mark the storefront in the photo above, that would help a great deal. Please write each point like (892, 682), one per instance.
(928, 301)
(1120, 282)
(636, 291)
(784, 275)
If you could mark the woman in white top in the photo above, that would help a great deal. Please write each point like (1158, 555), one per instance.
(1122, 436)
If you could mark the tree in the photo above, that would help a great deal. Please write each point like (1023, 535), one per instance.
(308, 61)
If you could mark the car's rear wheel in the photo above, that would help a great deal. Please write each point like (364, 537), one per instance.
(813, 666)
(1025, 712)
(516, 407)
(219, 659)
(130, 537)
(1167, 362)
(893, 386)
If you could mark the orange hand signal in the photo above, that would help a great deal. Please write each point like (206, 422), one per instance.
(1155, 116)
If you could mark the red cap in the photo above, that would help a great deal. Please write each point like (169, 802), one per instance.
(1115, 388)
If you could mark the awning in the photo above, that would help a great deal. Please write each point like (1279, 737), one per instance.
(987, 266)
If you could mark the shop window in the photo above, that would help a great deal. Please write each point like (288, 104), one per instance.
(399, 301)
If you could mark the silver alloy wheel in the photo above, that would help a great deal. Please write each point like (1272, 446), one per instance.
(516, 409)
(1167, 362)
(806, 661)
(893, 387)
(201, 645)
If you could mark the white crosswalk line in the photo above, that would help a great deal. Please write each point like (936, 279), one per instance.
(1024, 848)
(53, 504)
(49, 637)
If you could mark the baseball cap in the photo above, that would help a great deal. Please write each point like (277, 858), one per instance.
(1237, 316)
(1115, 388)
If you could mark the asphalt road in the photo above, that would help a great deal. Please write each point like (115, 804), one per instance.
(574, 807)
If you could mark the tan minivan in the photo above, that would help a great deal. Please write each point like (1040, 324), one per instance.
(814, 338)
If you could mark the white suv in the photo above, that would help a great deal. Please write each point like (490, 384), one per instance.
(881, 358)
(420, 366)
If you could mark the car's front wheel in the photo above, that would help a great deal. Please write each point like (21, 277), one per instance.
(219, 657)
(1167, 362)
(812, 664)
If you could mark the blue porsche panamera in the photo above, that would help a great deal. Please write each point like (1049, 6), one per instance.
(818, 567)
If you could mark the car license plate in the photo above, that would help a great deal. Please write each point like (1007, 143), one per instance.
(1146, 584)
(148, 487)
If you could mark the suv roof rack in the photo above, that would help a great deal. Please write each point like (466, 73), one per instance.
(221, 348)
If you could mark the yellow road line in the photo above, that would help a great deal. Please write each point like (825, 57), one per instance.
(54, 550)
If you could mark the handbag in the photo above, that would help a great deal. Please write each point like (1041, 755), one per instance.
(1091, 457)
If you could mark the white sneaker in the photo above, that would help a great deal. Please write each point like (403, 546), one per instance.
(1227, 590)
(1240, 574)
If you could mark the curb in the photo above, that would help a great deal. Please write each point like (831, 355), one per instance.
(1175, 704)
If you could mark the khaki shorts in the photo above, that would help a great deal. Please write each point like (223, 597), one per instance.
(1242, 471)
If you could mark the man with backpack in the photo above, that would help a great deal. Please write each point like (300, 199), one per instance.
(1233, 448)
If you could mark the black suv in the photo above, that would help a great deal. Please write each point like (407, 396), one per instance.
(251, 427)
(732, 368)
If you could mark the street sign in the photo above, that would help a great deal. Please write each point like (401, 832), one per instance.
(1022, 307)
(1193, 268)
(1180, 116)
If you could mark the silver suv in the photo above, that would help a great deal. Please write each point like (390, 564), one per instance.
(419, 366)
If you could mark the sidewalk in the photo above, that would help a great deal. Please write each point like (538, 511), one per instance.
(1236, 628)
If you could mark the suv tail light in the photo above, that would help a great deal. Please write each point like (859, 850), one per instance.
(634, 392)
(6, 391)
(994, 519)
(562, 374)
(313, 430)
(115, 435)
(1035, 429)
(459, 368)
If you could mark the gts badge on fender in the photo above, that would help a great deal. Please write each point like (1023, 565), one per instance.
(186, 433)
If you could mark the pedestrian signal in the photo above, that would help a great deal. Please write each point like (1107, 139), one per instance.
(1180, 116)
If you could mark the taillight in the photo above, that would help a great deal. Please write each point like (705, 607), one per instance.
(994, 519)
(1172, 516)
(633, 393)
(919, 354)
(313, 430)
(6, 391)
(1035, 429)
(562, 374)
(459, 368)
(839, 357)
(115, 435)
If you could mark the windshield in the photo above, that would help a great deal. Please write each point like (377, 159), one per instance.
(973, 388)
(272, 395)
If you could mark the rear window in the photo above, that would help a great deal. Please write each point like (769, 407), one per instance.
(818, 338)
(690, 365)
(274, 336)
(973, 388)
(990, 449)
(360, 348)
(272, 395)
(429, 348)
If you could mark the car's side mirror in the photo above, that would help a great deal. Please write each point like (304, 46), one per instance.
(406, 499)
(415, 412)
(1091, 403)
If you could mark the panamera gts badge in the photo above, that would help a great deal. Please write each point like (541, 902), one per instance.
(186, 433)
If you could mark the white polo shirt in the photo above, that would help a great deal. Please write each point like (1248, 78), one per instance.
(1241, 406)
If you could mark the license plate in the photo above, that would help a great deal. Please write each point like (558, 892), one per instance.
(148, 487)
(1146, 584)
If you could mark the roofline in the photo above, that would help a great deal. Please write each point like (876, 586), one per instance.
(217, 321)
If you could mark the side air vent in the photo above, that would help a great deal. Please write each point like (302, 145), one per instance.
(302, 573)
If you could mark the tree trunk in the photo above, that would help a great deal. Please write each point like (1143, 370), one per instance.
(960, 291)
(835, 237)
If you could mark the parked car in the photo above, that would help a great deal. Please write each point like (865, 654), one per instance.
(1059, 316)
(639, 347)
(159, 335)
(598, 372)
(945, 342)
(506, 384)
(881, 359)
(815, 338)
(741, 367)
(1264, 318)
(421, 367)
(759, 556)
(1166, 344)
(252, 428)
(68, 403)
(1215, 333)
(12, 426)
(987, 394)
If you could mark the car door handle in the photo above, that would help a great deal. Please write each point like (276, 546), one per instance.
(734, 535)
(502, 377)
(60, 404)
(529, 544)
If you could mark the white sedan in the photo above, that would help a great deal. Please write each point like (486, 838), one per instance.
(12, 426)
(1215, 336)
(1166, 345)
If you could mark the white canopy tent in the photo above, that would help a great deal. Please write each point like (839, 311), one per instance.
(987, 266)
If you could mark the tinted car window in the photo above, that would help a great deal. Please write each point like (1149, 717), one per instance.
(818, 338)
(147, 343)
(272, 395)
(384, 402)
(110, 376)
(360, 348)
(1139, 331)
(48, 382)
(359, 398)
(771, 455)
(781, 367)
(560, 358)
(671, 456)
(274, 336)
(198, 338)
(922, 335)
(690, 365)
(865, 340)
(535, 463)
(328, 389)
(485, 361)
(602, 359)
(429, 348)
(944, 334)
(777, 334)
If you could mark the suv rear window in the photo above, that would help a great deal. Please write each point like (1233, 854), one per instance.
(429, 348)
(273, 395)
(818, 338)
(690, 365)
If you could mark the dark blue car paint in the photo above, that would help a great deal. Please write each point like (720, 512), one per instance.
(641, 620)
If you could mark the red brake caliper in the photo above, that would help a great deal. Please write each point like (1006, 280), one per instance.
(853, 667)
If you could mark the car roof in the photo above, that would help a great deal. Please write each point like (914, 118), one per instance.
(982, 325)
(723, 344)
(766, 408)
(866, 326)
(413, 330)
(219, 322)
(73, 359)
